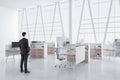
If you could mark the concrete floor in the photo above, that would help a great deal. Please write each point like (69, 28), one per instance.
(43, 69)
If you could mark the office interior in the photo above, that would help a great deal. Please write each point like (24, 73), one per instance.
(85, 34)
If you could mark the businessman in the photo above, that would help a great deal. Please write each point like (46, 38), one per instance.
(24, 51)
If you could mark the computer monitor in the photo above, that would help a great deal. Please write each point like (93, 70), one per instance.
(33, 41)
(67, 42)
(15, 44)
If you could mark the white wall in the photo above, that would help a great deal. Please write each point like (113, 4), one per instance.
(8, 28)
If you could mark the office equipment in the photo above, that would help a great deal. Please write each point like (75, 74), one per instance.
(15, 44)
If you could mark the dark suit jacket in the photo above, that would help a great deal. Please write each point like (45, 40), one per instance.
(24, 48)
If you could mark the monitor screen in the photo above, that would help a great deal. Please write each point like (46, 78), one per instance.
(67, 42)
(15, 44)
(33, 41)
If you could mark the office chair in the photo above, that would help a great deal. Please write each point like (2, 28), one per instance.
(98, 52)
(60, 58)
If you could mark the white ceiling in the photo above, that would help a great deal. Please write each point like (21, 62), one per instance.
(18, 4)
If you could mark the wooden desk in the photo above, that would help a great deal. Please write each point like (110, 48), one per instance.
(50, 50)
(71, 57)
(36, 53)
(109, 49)
(95, 53)
(12, 52)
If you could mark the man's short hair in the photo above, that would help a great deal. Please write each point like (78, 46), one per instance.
(24, 33)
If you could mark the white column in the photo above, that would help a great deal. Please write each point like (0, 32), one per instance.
(70, 20)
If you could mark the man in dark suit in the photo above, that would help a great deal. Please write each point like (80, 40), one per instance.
(24, 51)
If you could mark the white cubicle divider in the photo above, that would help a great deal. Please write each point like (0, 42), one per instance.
(80, 54)
(88, 53)
(45, 50)
(101, 50)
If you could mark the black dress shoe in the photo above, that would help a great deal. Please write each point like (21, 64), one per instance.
(21, 71)
(27, 71)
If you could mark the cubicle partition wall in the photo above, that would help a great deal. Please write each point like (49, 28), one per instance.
(95, 50)
(81, 53)
(41, 49)
(51, 47)
(37, 49)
